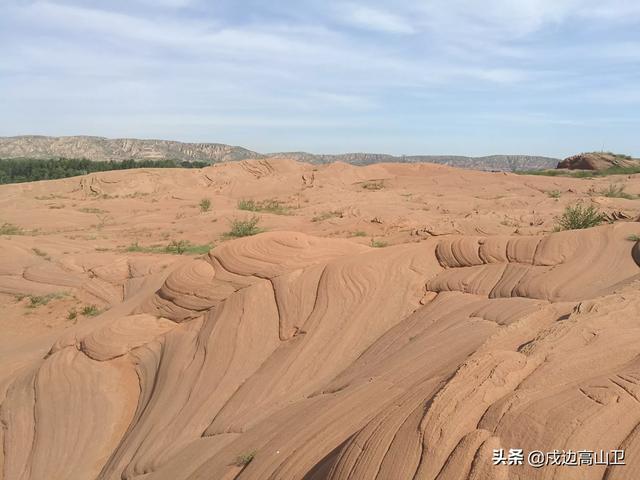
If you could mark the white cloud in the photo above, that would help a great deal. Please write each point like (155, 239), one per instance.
(313, 63)
(374, 19)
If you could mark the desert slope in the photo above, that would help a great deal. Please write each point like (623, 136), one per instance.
(304, 352)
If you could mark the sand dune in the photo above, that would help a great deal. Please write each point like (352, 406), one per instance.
(304, 352)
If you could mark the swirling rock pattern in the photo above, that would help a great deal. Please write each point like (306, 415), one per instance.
(314, 359)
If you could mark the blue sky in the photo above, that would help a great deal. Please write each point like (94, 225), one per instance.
(550, 77)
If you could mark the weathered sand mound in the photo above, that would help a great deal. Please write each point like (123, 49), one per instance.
(597, 161)
(286, 356)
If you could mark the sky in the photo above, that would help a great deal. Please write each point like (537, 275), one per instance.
(466, 77)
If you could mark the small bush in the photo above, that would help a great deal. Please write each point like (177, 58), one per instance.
(616, 191)
(378, 243)
(90, 311)
(244, 228)
(205, 205)
(40, 253)
(244, 459)
(379, 185)
(10, 229)
(579, 216)
(72, 315)
(554, 193)
(180, 247)
(359, 233)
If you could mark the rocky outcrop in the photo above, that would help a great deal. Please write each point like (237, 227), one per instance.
(287, 357)
(598, 161)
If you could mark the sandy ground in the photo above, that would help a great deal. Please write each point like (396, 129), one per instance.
(391, 322)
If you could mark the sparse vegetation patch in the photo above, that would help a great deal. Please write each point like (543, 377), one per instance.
(267, 206)
(40, 300)
(243, 228)
(326, 215)
(582, 173)
(580, 216)
(175, 247)
(616, 191)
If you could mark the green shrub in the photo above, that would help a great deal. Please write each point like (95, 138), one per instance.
(40, 300)
(579, 216)
(554, 193)
(90, 311)
(10, 229)
(205, 205)
(378, 243)
(379, 185)
(244, 459)
(244, 228)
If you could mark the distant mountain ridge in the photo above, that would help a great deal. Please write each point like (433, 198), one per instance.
(489, 162)
(100, 148)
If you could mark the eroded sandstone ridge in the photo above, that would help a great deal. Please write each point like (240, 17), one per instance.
(315, 358)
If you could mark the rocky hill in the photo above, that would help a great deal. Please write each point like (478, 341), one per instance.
(598, 161)
(99, 148)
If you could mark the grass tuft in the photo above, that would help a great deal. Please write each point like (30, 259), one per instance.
(266, 206)
(10, 229)
(244, 459)
(616, 191)
(175, 247)
(378, 243)
(244, 228)
(205, 205)
(554, 193)
(40, 300)
(579, 216)
(327, 215)
(90, 311)
(378, 185)
(40, 253)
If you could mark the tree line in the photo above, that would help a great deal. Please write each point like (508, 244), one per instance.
(18, 170)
